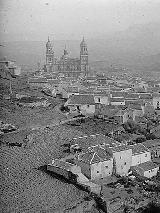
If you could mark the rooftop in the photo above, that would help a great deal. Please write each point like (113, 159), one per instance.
(38, 80)
(81, 100)
(117, 100)
(96, 154)
(147, 166)
(138, 149)
(152, 143)
(120, 148)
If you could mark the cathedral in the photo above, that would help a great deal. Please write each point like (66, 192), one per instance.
(66, 66)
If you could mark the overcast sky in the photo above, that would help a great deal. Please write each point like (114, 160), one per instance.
(71, 19)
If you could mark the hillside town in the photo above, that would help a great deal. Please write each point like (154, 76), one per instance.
(95, 136)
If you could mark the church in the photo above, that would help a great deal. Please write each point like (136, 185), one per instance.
(66, 66)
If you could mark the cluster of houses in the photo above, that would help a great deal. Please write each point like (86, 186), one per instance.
(102, 96)
(121, 99)
(99, 157)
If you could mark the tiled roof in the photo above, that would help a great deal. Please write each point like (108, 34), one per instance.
(145, 96)
(122, 112)
(118, 94)
(117, 100)
(147, 166)
(100, 150)
(53, 81)
(91, 78)
(90, 158)
(138, 149)
(135, 106)
(100, 93)
(95, 154)
(81, 100)
(131, 96)
(87, 142)
(120, 148)
(72, 89)
(154, 129)
(156, 94)
(152, 143)
(38, 80)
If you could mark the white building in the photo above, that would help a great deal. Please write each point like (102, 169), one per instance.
(81, 104)
(156, 100)
(140, 154)
(147, 169)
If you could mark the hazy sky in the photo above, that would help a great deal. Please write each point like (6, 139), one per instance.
(71, 19)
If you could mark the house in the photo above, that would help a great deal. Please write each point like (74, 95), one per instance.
(117, 94)
(115, 130)
(81, 104)
(143, 84)
(101, 98)
(38, 82)
(117, 101)
(154, 147)
(122, 158)
(91, 79)
(147, 169)
(131, 96)
(140, 154)
(156, 100)
(102, 80)
(106, 111)
(124, 115)
(67, 92)
(156, 131)
(96, 163)
(137, 110)
(53, 83)
(139, 85)
(11, 67)
(148, 108)
(86, 141)
(145, 96)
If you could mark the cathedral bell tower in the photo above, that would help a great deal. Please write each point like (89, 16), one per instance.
(49, 56)
(83, 57)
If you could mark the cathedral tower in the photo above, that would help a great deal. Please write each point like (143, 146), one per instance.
(83, 57)
(49, 56)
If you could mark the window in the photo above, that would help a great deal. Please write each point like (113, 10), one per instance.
(125, 163)
(149, 171)
(97, 171)
(145, 155)
(99, 100)
(120, 157)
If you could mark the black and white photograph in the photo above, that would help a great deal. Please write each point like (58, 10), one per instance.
(79, 106)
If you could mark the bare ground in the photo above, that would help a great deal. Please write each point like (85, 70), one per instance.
(24, 188)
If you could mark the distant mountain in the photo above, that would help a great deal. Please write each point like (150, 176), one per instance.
(137, 47)
(149, 63)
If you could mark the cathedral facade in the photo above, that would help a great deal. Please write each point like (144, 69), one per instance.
(69, 67)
